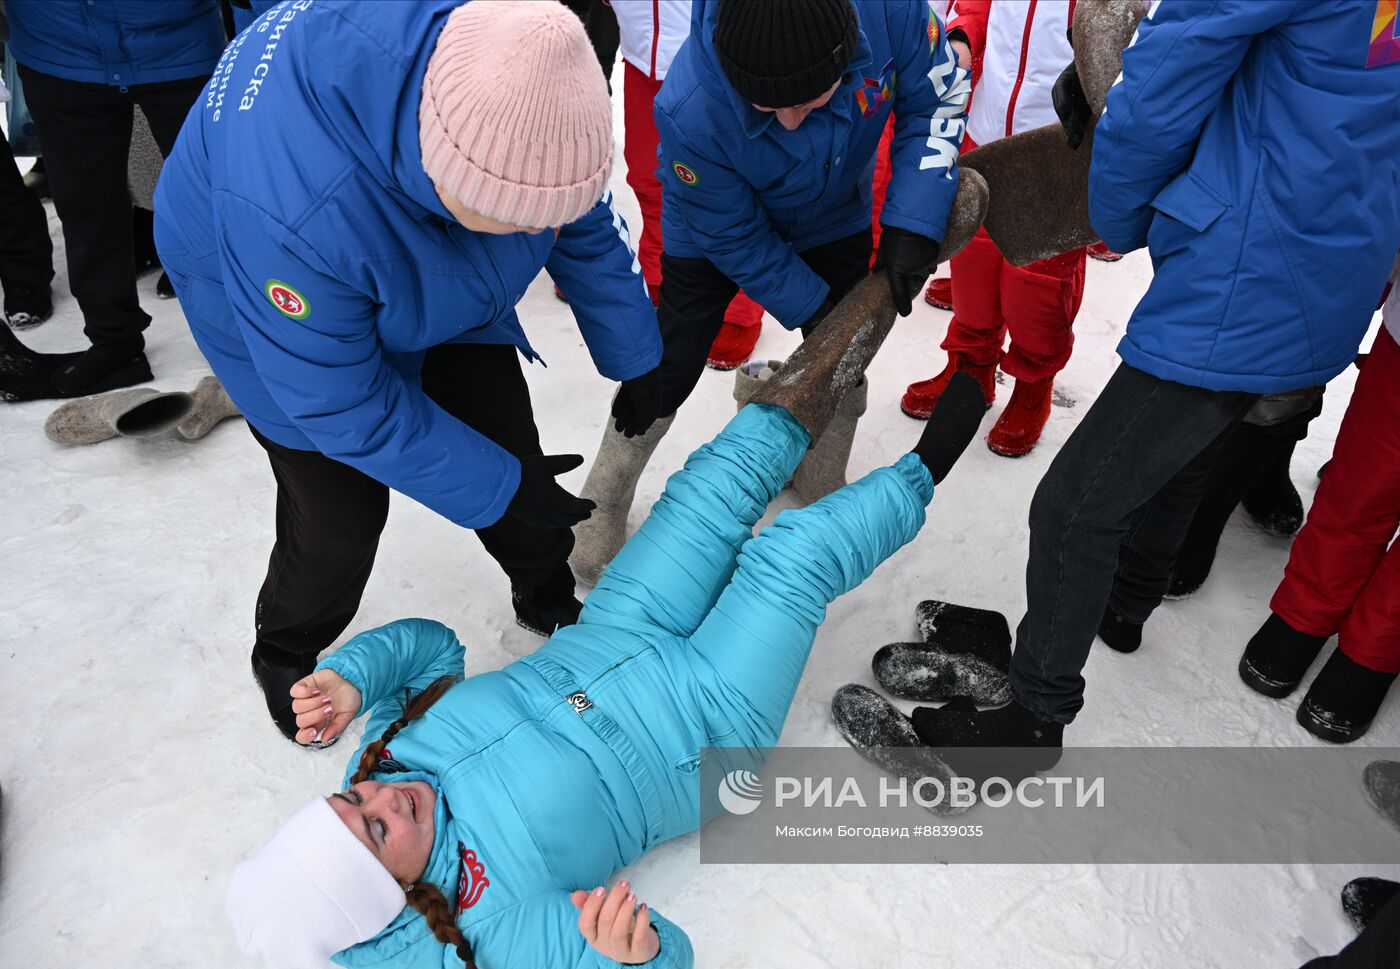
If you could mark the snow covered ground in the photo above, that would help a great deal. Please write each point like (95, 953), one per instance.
(139, 765)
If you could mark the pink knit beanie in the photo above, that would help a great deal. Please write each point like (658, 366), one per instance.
(515, 121)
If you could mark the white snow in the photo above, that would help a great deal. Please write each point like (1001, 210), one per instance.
(139, 766)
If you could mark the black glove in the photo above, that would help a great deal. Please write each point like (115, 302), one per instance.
(540, 501)
(637, 404)
(815, 320)
(1071, 106)
(908, 259)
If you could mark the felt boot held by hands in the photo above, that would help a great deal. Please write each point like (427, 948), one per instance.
(140, 412)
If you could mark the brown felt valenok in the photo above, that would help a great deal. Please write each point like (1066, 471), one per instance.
(831, 362)
(1040, 187)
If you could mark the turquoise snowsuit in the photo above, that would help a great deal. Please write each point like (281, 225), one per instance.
(567, 765)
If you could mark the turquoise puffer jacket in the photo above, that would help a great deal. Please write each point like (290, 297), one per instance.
(565, 766)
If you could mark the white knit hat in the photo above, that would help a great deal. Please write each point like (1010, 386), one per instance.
(311, 891)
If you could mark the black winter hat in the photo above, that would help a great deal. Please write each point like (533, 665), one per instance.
(781, 53)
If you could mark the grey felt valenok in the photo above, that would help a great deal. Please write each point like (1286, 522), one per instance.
(141, 412)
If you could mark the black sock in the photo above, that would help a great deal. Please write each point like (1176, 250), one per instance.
(952, 425)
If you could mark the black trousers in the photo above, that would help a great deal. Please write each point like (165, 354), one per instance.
(695, 294)
(1378, 947)
(85, 134)
(330, 516)
(26, 251)
(1107, 521)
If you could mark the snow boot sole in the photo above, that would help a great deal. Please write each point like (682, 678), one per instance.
(918, 671)
(885, 737)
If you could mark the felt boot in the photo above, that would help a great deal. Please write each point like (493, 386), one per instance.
(921, 397)
(547, 607)
(1362, 898)
(275, 671)
(141, 412)
(103, 367)
(918, 671)
(733, 346)
(1018, 428)
(1381, 781)
(211, 405)
(26, 306)
(1277, 658)
(1008, 742)
(1102, 253)
(1120, 634)
(21, 366)
(1343, 700)
(823, 467)
(611, 485)
(939, 293)
(952, 628)
(884, 736)
(1273, 502)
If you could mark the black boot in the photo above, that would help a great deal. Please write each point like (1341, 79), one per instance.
(104, 367)
(23, 371)
(1381, 781)
(275, 671)
(965, 629)
(548, 607)
(884, 736)
(164, 288)
(1120, 634)
(27, 306)
(1020, 745)
(1343, 700)
(919, 671)
(1278, 657)
(1362, 898)
(1273, 502)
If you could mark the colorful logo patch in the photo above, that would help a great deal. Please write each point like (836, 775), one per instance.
(471, 879)
(876, 91)
(287, 299)
(932, 31)
(686, 176)
(1385, 35)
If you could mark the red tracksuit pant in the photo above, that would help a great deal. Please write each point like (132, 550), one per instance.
(639, 146)
(1343, 575)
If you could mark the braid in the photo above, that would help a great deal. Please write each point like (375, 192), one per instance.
(413, 708)
(428, 900)
(424, 897)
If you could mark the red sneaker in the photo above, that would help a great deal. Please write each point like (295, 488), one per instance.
(733, 346)
(939, 293)
(921, 397)
(1019, 426)
(1102, 253)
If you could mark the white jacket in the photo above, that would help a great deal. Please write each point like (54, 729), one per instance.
(651, 32)
(1026, 49)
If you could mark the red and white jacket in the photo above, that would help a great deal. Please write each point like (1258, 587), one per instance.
(1018, 47)
(651, 32)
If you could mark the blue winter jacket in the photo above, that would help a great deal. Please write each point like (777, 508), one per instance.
(316, 264)
(117, 42)
(748, 195)
(243, 16)
(567, 765)
(1254, 147)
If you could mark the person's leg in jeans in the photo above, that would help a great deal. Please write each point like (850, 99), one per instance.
(329, 518)
(483, 386)
(85, 133)
(1140, 435)
(26, 251)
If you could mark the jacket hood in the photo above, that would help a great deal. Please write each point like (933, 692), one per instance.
(704, 16)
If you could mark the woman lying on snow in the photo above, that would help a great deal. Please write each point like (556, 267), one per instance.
(508, 795)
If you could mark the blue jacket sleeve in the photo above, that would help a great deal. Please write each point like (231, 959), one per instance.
(543, 931)
(930, 116)
(734, 232)
(1175, 74)
(593, 264)
(325, 368)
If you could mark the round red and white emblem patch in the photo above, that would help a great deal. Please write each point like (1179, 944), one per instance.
(287, 300)
(686, 176)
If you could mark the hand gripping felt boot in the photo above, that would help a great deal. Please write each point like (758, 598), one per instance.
(212, 404)
(611, 485)
(140, 412)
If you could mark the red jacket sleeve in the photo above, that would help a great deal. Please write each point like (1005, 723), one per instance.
(970, 16)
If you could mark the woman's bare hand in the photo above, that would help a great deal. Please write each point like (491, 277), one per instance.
(615, 925)
(325, 703)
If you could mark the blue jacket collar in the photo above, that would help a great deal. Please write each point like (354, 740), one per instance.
(704, 16)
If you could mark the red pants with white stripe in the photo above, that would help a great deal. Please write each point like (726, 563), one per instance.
(639, 145)
(1343, 575)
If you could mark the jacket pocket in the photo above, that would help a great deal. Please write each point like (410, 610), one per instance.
(1190, 201)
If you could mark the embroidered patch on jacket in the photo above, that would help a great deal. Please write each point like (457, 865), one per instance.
(932, 31)
(288, 300)
(471, 879)
(876, 91)
(686, 176)
(1385, 35)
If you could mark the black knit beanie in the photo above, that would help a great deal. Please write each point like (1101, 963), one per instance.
(781, 53)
